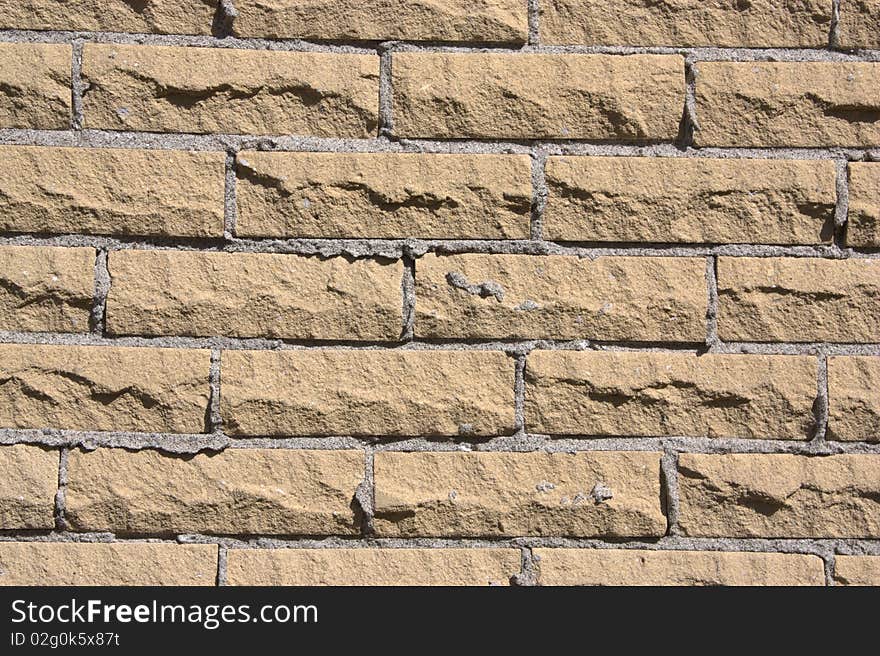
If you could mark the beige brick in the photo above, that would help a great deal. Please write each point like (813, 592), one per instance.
(863, 229)
(798, 300)
(372, 566)
(35, 85)
(859, 24)
(701, 200)
(561, 297)
(253, 295)
(383, 195)
(46, 289)
(755, 24)
(108, 191)
(368, 392)
(132, 563)
(103, 388)
(473, 494)
(648, 567)
(143, 16)
(765, 104)
(171, 89)
(632, 98)
(779, 495)
(857, 570)
(667, 394)
(854, 398)
(27, 488)
(238, 491)
(383, 20)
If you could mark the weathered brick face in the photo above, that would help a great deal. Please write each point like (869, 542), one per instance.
(462, 292)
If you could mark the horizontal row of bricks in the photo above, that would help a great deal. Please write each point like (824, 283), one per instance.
(622, 299)
(435, 392)
(759, 23)
(627, 98)
(152, 563)
(451, 494)
(289, 195)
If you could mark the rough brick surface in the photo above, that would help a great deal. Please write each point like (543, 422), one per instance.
(538, 96)
(106, 191)
(798, 300)
(142, 563)
(366, 392)
(103, 388)
(46, 289)
(35, 85)
(383, 195)
(859, 24)
(384, 20)
(508, 494)
(601, 393)
(170, 89)
(753, 24)
(27, 487)
(372, 566)
(159, 16)
(857, 570)
(863, 229)
(643, 567)
(779, 495)
(761, 104)
(253, 295)
(854, 398)
(525, 297)
(701, 200)
(263, 491)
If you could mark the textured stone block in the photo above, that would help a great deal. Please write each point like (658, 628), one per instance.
(35, 85)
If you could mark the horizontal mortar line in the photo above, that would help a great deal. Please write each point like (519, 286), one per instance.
(815, 546)
(512, 347)
(222, 142)
(415, 247)
(372, 46)
(177, 443)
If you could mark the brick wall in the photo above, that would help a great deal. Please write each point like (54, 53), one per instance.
(469, 292)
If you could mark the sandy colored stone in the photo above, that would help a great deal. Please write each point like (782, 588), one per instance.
(104, 388)
(690, 200)
(473, 494)
(205, 90)
(384, 20)
(798, 300)
(863, 227)
(35, 85)
(779, 495)
(560, 297)
(854, 398)
(27, 488)
(633, 98)
(142, 16)
(857, 570)
(126, 563)
(383, 195)
(46, 289)
(109, 191)
(802, 104)
(368, 392)
(372, 566)
(253, 295)
(237, 491)
(679, 568)
(660, 394)
(751, 24)
(859, 24)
